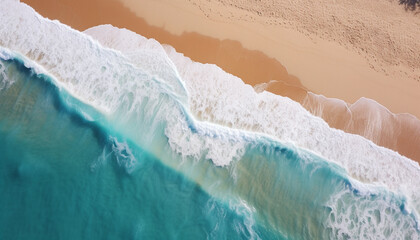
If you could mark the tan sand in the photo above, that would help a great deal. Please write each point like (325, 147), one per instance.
(398, 132)
(337, 48)
(230, 55)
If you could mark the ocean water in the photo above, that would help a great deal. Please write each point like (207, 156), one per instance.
(108, 135)
(61, 178)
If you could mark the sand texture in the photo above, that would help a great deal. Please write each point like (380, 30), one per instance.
(254, 40)
(340, 49)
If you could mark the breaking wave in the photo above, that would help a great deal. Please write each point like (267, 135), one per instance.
(259, 165)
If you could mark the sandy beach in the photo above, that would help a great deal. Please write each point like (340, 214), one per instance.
(329, 48)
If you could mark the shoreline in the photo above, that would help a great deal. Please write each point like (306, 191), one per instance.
(252, 66)
(324, 66)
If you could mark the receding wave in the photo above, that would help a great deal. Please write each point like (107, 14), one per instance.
(260, 165)
(219, 97)
(371, 120)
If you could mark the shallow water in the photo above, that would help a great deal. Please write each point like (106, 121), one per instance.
(60, 179)
(95, 144)
(65, 176)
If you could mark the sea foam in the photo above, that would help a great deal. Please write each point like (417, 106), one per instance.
(222, 98)
(111, 83)
(151, 107)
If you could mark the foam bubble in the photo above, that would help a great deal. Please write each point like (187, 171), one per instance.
(146, 91)
(369, 216)
(139, 104)
(123, 154)
(5, 82)
(146, 54)
(220, 145)
(222, 98)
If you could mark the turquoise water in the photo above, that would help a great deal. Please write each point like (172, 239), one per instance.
(107, 143)
(68, 175)
(59, 179)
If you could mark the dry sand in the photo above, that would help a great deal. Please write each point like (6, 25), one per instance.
(316, 42)
(342, 49)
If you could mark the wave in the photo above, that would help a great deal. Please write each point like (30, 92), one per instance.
(219, 97)
(371, 120)
(57, 164)
(260, 139)
(341, 207)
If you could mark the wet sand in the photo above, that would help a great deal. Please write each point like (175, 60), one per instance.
(252, 66)
(341, 49)
(398, 132)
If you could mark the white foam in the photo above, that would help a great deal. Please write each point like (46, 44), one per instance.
(147, 54)
(368, 217)
(218, 144)
(123, 154)
(5, 82)
(222, 98)
(259, 88)
(5, 55)
(114, 82)
(243, 209)
(106, 79)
